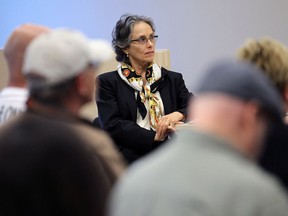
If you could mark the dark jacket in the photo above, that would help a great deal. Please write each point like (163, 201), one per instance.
(274, 157)
(117, 110)
(51, 168)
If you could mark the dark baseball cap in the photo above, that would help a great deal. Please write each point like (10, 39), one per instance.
(243, 81)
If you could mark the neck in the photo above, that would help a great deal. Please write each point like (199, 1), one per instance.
(230, 119)
(229, 129)
(55, 110)
(17, 84)
(17, 81)
(140, 68)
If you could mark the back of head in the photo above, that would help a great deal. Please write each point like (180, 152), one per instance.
(15, 47)
(235, 101)
(270, 56)
(47, 170)
(242, 81)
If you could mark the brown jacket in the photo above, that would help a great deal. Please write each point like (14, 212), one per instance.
(99, 142)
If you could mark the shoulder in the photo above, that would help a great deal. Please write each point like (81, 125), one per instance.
(264, 191)
(108, 75)
(171, 74)
(166, 71)
(100, 143)
(95, 135)
(111, 78)
(255, 182)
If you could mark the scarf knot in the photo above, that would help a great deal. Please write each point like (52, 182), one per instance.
(145, 92)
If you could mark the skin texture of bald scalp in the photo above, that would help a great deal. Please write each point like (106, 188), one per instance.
(15, 48)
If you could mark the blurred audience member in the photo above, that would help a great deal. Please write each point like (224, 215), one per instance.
(13, 97)
(47, 169)
(208, 169)
(60, 67)
(272, 58)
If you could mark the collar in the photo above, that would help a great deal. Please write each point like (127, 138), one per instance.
(206, 140)
(54, 112)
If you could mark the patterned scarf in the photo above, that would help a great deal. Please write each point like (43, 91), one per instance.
(147, 92)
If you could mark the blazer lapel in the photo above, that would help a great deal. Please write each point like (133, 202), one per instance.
(165, 94)
(129, 97)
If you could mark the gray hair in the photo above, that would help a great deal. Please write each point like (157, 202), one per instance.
(122, 32)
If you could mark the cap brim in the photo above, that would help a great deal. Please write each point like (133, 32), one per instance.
(100, 51)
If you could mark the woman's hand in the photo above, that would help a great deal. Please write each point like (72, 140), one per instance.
(167, 124)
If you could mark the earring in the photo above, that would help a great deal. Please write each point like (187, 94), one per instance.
(127, 54)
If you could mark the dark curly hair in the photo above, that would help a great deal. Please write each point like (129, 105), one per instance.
(122, 32)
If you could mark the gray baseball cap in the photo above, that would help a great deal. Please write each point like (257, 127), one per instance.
(243, 81)
(61, 54)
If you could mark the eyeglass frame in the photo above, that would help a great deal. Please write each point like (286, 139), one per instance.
(143, 40)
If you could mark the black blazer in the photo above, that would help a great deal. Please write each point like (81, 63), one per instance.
(117, 110)
(274, 157)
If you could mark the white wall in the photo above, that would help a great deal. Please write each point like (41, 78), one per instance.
(196, 31)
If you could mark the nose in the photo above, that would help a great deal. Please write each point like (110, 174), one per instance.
(149, 42)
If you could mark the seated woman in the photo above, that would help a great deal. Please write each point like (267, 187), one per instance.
(140, 102)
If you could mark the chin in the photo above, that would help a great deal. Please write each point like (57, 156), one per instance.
(149, 60)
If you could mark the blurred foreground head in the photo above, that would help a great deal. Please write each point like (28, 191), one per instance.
(60, 66)
(14, 50)
(235, 101)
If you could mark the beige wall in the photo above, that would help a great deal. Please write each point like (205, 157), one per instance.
(3, 71)
(89, 111)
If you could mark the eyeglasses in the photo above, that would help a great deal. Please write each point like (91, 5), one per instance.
(143, 40)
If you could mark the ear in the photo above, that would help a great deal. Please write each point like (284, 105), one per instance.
(248, 118)
(84, 84)
(252, 129)
(190, 116)
(80, 84)
(126, 50)
(249, 114)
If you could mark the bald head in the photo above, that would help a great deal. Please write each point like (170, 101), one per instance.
(15, 48)
(231, 119)
(210, 109)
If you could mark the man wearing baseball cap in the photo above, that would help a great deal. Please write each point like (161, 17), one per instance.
(60, 67)
(208, 169)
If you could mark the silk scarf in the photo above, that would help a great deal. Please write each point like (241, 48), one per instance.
(145, 92)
